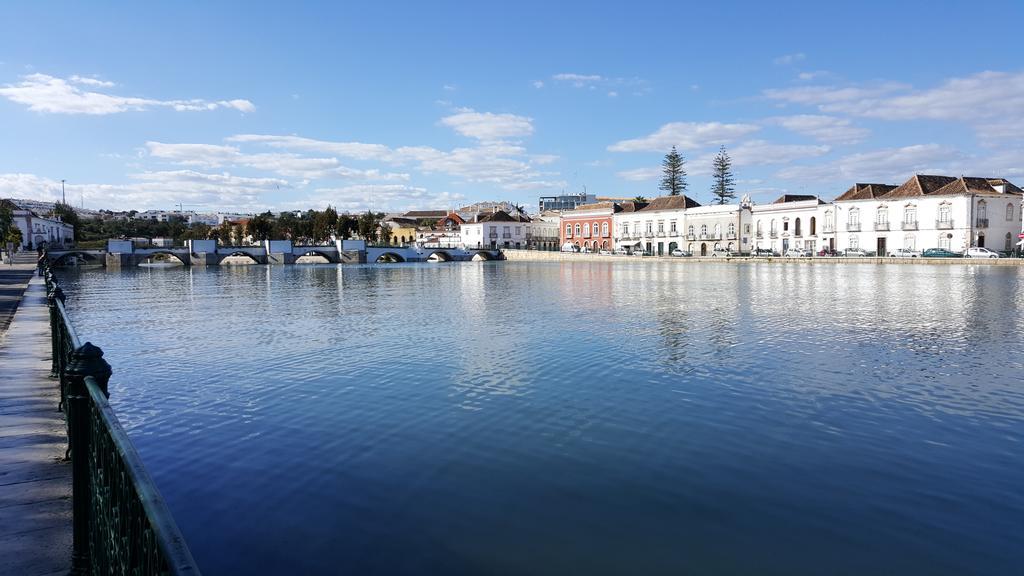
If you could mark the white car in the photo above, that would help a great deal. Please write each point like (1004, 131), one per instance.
(720, 253)
(904, 253)
(856, 252)
(605, 252)
(679, 253)
(621, 251)
(638, 252)
(798, 253)
(976, 252)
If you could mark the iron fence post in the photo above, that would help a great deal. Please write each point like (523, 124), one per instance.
(86, 361)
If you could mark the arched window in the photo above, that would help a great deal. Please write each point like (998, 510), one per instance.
(596, 229)
(814, 226)
(759, 231)
(604, 229)
(796, 228)
(829, 221)
(718, 230)
(853, 218)
(568, 230)
(704, 230)
(774, 227)
(689, 232)
(1009, 240)
(882, 215)
(577, 229)
(732, 230)
(982, 210)
(945, 212)
(944, 240)
(1009, 212)
(586, 229)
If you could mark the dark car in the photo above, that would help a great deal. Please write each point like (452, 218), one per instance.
(764, 252)
(940, 253)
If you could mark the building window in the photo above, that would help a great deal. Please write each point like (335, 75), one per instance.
(704, 230)
(785, 225)
(625, 229)
(774, 227)
(908, 241)
(732, 229)
(982, 210)
(661, 226)
(854, 216)
(854, 242)
(604, 229)
(689, 230)
(944, 213)
(577, 229)
(910, 214)
(718, 230)
(1009, 212)
(944, 241)
(882, 215)
(760, 230)
(650, 227)
(586, 230)
(1009, 242)
(746, 229)
(672, 225)
(519, 230)
(568, 230)
(596, 228)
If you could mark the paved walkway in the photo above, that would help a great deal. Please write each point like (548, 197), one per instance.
(35, 481)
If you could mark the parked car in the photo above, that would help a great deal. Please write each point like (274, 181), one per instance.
(827, 252)
(940, 253)
(977, 252)
(764, 252)
(798, 253)
(638, 252)
(721, 252)
(855, 252)
(904, 253)
(680, 253)
(605, 252)
(621, 251)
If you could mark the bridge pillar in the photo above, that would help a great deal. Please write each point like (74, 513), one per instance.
(119, 260)
(352, 256)
(280, 258)
(205, 259)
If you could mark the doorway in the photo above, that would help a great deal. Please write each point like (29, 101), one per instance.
(703, 249)
(880, 248)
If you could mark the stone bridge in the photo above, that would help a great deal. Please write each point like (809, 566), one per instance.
(123, 253)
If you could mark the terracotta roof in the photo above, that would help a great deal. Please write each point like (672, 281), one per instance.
(501, 216)
(425, 214)
(670, 203)
(929, 185)
(796, 198)
(865, 192)
(1009, 187)
(630, 206)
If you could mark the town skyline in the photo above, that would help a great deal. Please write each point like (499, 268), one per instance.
(421, 121)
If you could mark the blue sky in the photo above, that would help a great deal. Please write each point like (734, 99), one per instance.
(400, 105)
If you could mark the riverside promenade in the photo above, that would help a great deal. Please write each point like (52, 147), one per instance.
(35, 480)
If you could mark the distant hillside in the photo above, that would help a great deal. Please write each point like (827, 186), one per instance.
(42, 208)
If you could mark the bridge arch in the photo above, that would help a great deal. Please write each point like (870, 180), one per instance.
(311, 254)
(439, 256)
(390, 257)
(63, 258)
(167, 252)
(242, 254)
(482, 256)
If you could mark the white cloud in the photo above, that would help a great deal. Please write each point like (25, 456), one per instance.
(888, 165)
(538, 84)
(355, 150)
(88, 81)
(789, 59)
(758, 153)
(640, 174)
(685, 136)
(362, 197)
(49, 94)
(578, 80)
(613, 94)
(449, 88)
(822, 128)
(487, 126)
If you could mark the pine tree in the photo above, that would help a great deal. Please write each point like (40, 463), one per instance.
(723, 188)
(673, 179)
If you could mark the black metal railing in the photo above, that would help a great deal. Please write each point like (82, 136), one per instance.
(121, 524)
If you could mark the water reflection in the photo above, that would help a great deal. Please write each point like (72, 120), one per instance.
(596, 418)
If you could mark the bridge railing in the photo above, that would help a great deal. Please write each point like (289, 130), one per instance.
(121, 523)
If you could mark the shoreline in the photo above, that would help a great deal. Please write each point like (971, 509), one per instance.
(543, 256)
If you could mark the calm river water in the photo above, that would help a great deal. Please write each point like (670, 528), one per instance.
(626, 418)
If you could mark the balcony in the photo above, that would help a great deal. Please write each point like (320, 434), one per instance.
(982, 223)
(910, 225)
(661, 233)
(759, 235)
(828, 229)
(881, 226)
(495, 235)
(773, 234)
(506, 235)
(853, 226)
(704, 237)
(730, 236)
(691, 236)
(943, 224)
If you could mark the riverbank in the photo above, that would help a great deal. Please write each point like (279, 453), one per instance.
(35, 480)
(542, 256)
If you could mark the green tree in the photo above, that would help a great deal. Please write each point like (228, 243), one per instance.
(66, 213)
(224, 233)
(6, 219)
(198, 231)
(346, 226)
(261, 226)
(367, 226)
(673, 178)
(723, 186)
(324, 224)
(383, 230)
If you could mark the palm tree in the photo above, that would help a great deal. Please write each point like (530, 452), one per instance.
(639, 199)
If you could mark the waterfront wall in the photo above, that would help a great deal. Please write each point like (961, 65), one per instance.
(541, 256)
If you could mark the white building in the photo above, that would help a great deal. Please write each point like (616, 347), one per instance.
(37, 232)
(930, 212)
(496, 229)
(542, 233)
(794, 221)
(719, 226)
(656, 227)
